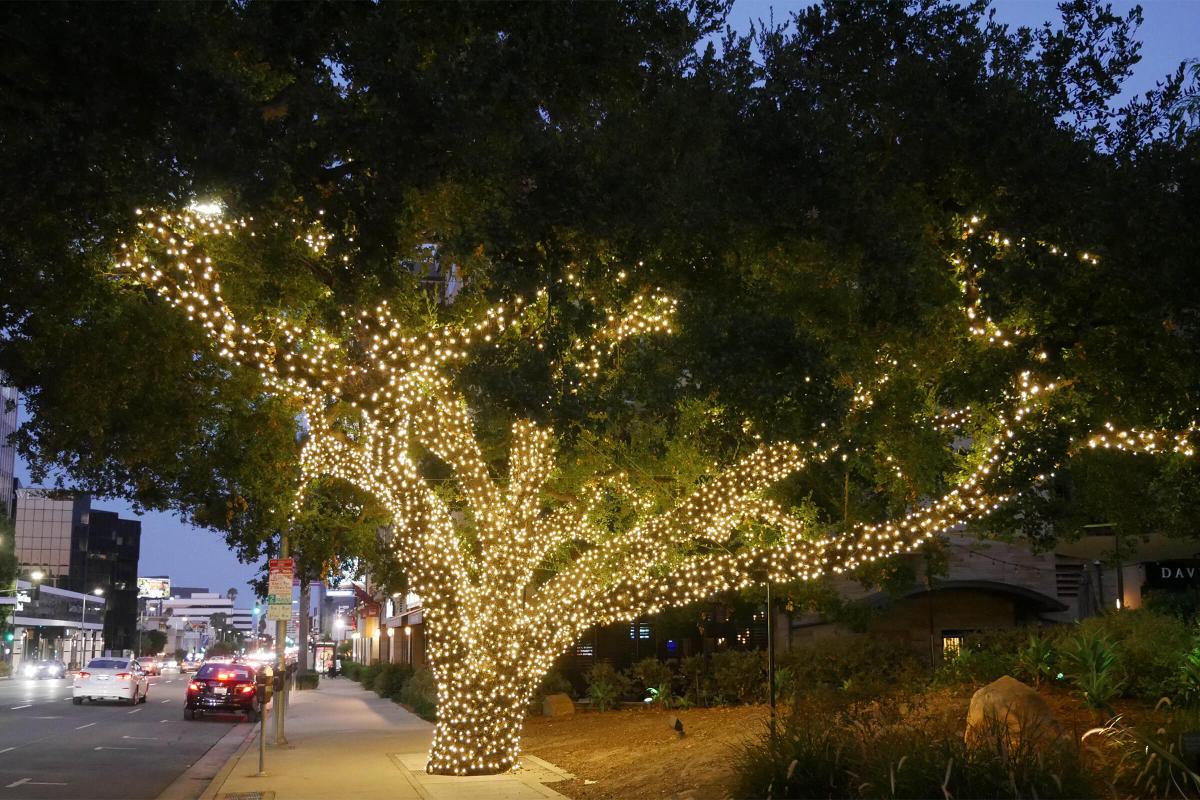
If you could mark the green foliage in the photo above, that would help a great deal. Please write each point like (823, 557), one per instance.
(367, 675)
(859, 663)
(650, 673)
(983, 658)
(420, 694)
(153, 641)
(1091, 663)
(696, 675)
(1183, 605)
(390, 680)
(1148, 759)
(739, 676)
(1150, 649)
(219, 649)
(605, 686)
(1188, 678)
(1036, 661)
(345, 649)
(5, 669)
(351, 669)
(307, 680)
(825, 748)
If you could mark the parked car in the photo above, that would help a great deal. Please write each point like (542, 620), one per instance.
(111, 678)
(151, 665)
(44, 669)
(223, 689)
(189, 666)
(169, 665)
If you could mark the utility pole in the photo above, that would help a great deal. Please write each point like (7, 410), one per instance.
(281, 659)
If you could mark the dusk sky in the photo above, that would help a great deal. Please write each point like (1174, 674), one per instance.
(193, 557)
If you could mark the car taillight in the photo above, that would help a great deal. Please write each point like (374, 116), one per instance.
(194, 687)
(85, 674)
(247, 689)
(122, 675)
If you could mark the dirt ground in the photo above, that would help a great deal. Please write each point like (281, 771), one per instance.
(634, 753)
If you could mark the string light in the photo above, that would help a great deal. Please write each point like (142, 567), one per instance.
(376, 399)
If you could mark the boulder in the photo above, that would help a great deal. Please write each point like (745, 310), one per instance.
(1006, 712)
(557, 705)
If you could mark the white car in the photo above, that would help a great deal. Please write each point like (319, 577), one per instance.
(111, 678)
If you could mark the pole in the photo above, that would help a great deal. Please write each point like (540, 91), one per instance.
(262, 740)
(280, 659)
(771, 656)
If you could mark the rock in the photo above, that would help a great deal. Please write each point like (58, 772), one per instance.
(1006, 711)
(557, 705)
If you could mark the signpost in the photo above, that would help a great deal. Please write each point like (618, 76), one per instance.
(281, 572)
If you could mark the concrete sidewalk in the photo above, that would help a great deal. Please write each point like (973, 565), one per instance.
(346, 742)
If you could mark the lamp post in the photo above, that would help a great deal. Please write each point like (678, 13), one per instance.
(83, 618)
(408, 637)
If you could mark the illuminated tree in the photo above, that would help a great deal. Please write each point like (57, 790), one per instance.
(511, 573)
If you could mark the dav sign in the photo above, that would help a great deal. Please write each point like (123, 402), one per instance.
(1173, 574)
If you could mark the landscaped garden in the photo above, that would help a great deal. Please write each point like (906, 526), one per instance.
(860, 717)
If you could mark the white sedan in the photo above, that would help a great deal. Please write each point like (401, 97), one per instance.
(111, 678)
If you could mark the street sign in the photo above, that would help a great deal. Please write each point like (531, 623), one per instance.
(280, 573)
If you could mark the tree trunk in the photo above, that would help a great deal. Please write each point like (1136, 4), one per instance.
(304, 624)
(480, 716)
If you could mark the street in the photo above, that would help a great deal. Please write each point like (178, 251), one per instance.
(51, 748)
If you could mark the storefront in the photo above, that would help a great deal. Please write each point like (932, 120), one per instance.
(52, 623)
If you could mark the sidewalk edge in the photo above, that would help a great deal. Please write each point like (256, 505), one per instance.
(184, 787)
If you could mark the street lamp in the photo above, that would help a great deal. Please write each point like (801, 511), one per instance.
(83, 619)
(408, 636)
(36, 575)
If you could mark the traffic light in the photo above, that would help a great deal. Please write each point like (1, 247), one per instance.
(9, 636)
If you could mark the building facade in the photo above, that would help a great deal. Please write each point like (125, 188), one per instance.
(62, 543)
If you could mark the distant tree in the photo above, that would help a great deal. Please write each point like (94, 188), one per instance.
(220, 625)
(153, 642)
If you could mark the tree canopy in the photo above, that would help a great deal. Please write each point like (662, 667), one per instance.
(801, 190)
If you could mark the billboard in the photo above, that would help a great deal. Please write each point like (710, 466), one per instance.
(154, 588)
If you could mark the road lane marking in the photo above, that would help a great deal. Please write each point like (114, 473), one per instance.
(134, 711)
(142, 738)
(114, 748)
(81, 727)
(164, 701)
(5, 750)
(17, 708)
(32, 782)
(47, 717)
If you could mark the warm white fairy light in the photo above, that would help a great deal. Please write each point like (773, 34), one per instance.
(495, 624)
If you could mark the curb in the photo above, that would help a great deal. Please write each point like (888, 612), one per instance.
(198, 775)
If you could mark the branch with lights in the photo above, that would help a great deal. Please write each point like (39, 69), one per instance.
(377, 400)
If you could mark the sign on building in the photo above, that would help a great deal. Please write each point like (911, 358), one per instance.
(154, 588)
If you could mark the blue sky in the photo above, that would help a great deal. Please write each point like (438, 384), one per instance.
(193, 557)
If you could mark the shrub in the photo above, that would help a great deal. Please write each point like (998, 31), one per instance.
(862, 664)
(367, 675)
(351, 669)
(983, 658)
(307, 680)
(739, 676)
(5, 669)
(1036, 661)
(605, 686)
(420, 694)
(391, 679)
(1148, 760)
(1150, 648)
(868, 750)
(1090, 661)
(696, 676)
(651, 674)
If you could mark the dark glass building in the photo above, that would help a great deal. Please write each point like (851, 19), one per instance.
(81, 549)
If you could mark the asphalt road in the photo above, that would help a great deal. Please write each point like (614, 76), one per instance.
(51, 748)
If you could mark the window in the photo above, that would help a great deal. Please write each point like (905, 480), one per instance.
(953, 641)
